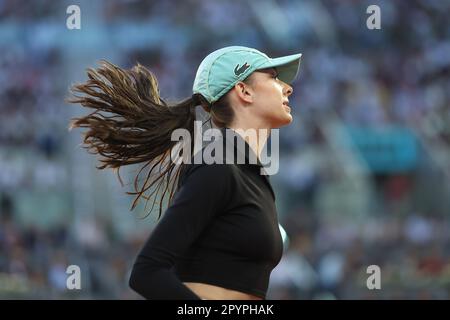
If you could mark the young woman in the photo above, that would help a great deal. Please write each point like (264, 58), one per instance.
(219, 237)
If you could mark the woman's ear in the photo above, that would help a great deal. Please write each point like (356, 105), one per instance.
(243, 92)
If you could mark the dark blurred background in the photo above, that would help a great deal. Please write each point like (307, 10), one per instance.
(364, 167)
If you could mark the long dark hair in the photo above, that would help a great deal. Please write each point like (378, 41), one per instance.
(131, 124)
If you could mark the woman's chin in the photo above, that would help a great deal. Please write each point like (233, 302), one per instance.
(288, 118)
(284, 121)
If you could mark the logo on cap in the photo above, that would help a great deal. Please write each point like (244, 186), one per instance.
(238, 71)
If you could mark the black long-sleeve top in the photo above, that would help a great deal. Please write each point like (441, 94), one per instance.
(221, 229)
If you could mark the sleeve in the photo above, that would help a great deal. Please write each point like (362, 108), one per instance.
(205, 191)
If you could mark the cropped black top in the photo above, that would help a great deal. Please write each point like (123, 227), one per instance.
(221, 229)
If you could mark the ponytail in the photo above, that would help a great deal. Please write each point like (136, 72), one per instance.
(131, 124)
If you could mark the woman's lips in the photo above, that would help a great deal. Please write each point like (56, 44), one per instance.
(287, 107)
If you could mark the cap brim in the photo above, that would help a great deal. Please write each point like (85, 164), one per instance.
(287, 66)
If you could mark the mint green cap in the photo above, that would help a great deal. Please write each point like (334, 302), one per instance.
(223, 68)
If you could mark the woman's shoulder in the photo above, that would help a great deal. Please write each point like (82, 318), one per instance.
(207, 166)
(217, 172)
(213, 168)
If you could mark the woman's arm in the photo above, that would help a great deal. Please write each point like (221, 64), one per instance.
(205, 191)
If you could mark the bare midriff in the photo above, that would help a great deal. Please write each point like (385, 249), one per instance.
(212, 292)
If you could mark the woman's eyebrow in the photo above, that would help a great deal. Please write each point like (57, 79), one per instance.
(275, 71)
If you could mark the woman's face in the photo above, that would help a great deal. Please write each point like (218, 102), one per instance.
(270, 98)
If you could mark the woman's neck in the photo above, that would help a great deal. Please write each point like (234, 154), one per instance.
(262, 134)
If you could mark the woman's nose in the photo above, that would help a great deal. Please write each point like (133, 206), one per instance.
(288, 90)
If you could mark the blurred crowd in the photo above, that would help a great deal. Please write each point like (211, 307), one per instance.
(340, 214)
